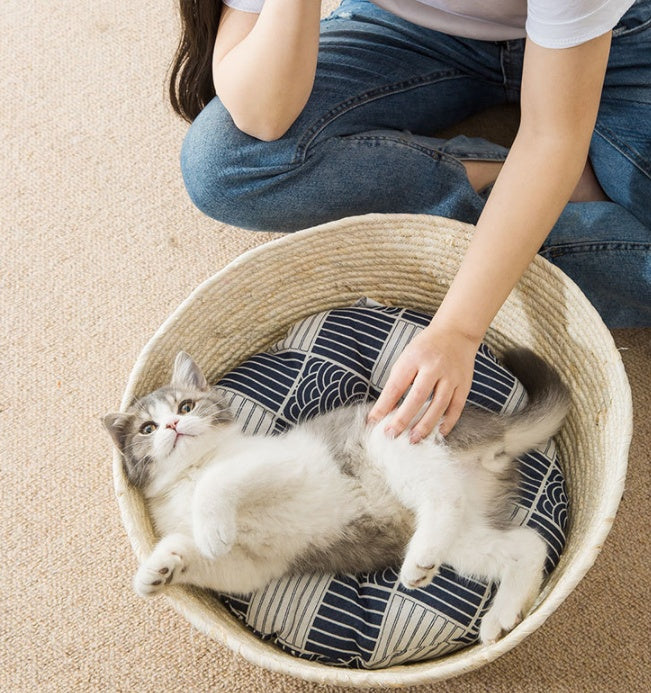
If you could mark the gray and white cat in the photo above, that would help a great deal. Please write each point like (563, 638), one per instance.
(335, 494)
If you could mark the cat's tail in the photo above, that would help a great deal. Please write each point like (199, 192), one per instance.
(547, 406)
(496, 438)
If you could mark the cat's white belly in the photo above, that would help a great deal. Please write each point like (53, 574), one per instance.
(292, 499)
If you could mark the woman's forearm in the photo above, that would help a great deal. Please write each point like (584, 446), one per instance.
(559, 103)
(534, 185)
(560, 99)
(266, 78)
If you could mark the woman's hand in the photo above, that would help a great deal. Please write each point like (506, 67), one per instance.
(439, 363)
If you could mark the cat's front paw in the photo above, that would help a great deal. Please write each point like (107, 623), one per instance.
(216, 538)
(415, 576)
(165, 566)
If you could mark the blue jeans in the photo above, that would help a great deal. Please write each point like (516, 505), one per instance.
(365, 142)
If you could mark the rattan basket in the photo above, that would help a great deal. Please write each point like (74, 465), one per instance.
(405, 260)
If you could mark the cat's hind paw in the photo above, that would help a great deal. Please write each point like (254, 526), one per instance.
(414, 576)
(162, 568)
(495, 625)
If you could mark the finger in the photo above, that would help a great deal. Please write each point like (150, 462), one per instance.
(433, 414)
(420, 390)
(396, 386)
(453, 413)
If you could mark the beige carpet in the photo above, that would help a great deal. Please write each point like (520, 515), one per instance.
(99, 243)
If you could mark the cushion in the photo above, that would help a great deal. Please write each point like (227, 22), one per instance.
(369, 620)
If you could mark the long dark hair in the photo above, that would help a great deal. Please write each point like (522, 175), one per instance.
(190, 81)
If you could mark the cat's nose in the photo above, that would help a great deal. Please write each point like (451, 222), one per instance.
(172, 424)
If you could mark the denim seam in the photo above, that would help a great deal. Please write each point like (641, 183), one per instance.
(471, 156)
(611, 138)
(623, 32)
(362, 99)
(432, 153)
(560, 249)
(511, 93)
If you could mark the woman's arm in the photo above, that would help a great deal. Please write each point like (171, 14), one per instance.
(560, 97)
(264, 65)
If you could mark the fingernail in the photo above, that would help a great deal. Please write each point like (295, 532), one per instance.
(414, 437)
(389, 432)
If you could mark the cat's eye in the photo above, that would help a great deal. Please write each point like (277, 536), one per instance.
(148, 428)
(186, 406)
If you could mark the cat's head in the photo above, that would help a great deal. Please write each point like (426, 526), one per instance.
(170, 429)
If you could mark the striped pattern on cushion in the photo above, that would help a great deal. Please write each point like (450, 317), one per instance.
(370, 620)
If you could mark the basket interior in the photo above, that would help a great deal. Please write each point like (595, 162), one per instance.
(405, 260)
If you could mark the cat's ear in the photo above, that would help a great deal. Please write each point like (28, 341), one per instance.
(187, 375)
(117, 424)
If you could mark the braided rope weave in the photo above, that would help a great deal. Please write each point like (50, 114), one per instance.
(406, 260)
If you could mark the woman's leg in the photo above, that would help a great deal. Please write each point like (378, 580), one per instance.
(606, 246)
(363, 143)
(607, 252)
(620, 150)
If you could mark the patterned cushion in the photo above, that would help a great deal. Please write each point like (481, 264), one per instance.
(370, 620)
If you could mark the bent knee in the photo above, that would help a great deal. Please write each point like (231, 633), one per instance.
(225, 171)
(209, 161)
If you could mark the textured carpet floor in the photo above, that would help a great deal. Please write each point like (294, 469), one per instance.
(99, 244)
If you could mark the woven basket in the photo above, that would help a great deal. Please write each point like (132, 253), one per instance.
(404, 260)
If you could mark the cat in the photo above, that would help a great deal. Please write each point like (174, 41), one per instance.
(335, 494)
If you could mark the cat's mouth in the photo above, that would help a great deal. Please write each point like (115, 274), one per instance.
(178, 436)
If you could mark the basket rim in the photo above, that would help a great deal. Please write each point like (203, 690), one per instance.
(235, 635)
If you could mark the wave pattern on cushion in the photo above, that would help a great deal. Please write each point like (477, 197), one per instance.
(369, 620)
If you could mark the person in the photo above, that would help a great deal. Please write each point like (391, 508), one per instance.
(297, 121)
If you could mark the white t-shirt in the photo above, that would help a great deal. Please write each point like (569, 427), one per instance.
(550, 23)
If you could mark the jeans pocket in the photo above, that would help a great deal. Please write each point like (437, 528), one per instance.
(638, 18)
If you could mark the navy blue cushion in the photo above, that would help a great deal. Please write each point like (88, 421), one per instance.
(370, 620)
